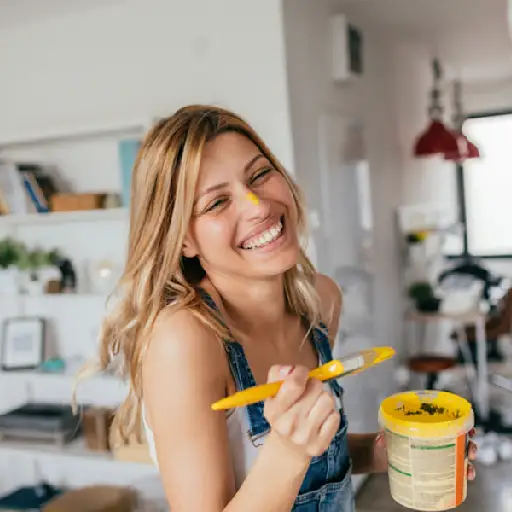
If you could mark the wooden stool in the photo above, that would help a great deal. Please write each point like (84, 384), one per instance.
(431, 365)
(96, 498)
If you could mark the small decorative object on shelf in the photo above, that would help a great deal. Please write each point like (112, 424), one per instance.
(68, 280)
(103, 275)
(75, 202)
(27, 270)
(25, 187)
(33, 262)
(96, 422)
(127, 151)
(11, 253)
(23, 343)
(424, 297)
(44, 422)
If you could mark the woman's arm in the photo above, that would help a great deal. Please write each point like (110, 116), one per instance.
(184, 372)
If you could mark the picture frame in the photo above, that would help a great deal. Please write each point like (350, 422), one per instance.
(23, 340)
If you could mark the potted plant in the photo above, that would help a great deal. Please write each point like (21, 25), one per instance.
(423, 295)
(39, 266)
(11, 253)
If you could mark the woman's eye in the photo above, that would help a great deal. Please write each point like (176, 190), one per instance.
(216, 204)
(260, 175)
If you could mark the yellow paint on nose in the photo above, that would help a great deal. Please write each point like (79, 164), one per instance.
(253, 198)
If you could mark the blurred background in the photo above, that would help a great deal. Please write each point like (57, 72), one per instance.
(395, 116)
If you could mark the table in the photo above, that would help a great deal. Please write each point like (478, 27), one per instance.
(480, 384)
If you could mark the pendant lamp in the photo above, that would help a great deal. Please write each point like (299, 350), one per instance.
(436, 140)
(465, 148)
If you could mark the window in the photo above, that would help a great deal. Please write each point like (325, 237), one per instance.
(485, 187)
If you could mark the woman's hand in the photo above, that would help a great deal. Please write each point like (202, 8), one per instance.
(302, 414)
(380, 457)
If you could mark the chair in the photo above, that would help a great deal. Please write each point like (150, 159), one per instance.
(431, 366)
(496, 326)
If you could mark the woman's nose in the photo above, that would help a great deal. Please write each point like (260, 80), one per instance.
(253, 198)
(254, 205)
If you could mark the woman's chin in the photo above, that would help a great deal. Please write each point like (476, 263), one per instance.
(277, 264)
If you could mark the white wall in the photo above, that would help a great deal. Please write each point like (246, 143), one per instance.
(128, 60)
(430, 180)
(368, 101)
(118, 63)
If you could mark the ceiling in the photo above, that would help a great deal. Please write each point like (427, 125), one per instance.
(15, 12)
(470, 36)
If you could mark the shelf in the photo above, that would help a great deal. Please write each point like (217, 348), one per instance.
(99, 390)
(20, 377)
(469, 317)
(60, 296)
(78, 296)
(100, 215)
(76, 448)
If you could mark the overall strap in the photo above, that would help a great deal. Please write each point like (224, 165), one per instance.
(242, 374)
(323, 347)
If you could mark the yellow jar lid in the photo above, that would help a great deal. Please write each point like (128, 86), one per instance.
(426, 414)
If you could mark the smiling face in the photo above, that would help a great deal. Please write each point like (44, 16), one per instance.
(231, 231)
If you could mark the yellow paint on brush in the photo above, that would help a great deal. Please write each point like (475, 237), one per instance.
(253, 198)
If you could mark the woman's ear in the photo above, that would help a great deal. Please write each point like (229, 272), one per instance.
(189, 248)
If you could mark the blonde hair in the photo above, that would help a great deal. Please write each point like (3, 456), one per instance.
(156, 273)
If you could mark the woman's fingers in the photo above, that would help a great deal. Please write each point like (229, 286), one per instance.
(472, 450)
(302, 411)
(380, 440)
(317, 408)
(471, 471)
(291, 390)
(296, 417)
(327, 431)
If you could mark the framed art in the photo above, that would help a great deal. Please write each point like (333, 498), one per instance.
(22, 343)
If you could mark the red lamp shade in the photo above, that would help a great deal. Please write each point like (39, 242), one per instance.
(465, 150)
(473, 151)
(436, 140)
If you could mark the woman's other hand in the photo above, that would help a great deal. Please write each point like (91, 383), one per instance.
(302, 414)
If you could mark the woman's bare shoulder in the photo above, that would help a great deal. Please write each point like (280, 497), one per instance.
(183, 350)
(179, 336)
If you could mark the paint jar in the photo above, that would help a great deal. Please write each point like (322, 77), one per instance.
(427, 446)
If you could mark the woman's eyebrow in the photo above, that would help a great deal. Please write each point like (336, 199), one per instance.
(252, 161)
(219, 186)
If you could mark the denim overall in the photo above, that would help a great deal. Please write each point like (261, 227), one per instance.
(327, 484)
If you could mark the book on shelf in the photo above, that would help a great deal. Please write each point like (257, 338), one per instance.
(25, 188)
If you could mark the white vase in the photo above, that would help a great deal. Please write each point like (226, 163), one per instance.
(34, 287)
(9, 281)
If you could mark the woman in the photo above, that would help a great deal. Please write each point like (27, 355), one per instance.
(218, 295)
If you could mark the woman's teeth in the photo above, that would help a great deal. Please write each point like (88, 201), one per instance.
(264, 238)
